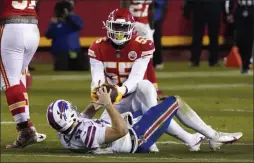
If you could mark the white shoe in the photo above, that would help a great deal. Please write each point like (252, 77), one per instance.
(199, 139)
(224, 138)
(40, 137)
(154, 148)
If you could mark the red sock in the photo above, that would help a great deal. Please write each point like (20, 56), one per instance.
(151, 76)
(17, 101)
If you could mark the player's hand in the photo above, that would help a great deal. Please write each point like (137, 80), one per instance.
(103, 96)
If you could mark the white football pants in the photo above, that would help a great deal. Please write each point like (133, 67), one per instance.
(143, 98)
(19, 42)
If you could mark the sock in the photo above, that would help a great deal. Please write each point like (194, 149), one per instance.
(190, 119)
(17, 102)
(178, 132)
(151, 76)
(27, 99)
(26, 124)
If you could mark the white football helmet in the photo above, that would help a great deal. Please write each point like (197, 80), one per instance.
(61, 115)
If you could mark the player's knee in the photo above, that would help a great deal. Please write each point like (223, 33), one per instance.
(146, 87)
(178, 98)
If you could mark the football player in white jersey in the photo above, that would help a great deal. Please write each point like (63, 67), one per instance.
(77, 131)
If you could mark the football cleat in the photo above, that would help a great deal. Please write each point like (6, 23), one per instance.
(199, 139)
(224, 138)
(40, 137)
(26, 137)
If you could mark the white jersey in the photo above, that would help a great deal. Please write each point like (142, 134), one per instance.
(89, 136)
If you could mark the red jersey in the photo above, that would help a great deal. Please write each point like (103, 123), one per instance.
(139, 10)
(17, 8)
(118, 64)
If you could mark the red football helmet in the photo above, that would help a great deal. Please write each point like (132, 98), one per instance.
(120, 26)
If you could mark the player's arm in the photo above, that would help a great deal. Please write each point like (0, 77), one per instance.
(137, 74)
(140, 65)
(89, 111)
(125, 3)
(118, 127)
(96, 67)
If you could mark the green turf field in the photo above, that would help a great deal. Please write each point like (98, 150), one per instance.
(221, 96)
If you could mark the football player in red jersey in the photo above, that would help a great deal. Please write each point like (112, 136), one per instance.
(19, 37)
(141, 11)
(121, 59)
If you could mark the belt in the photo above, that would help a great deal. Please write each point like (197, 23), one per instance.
(19, 20)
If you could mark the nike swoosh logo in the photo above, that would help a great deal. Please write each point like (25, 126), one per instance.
(41, 137)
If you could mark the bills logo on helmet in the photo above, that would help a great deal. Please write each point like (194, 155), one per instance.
(132, 55)
(62, 107)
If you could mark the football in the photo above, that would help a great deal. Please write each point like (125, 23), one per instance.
(114, 92)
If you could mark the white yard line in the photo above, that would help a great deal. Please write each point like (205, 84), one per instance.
(7, 122)
(206, 86)
(160, 75)
(49, 155)
(180, 143)
(237, 110)
(122, 157)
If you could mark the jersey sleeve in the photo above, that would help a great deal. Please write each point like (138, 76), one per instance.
(95, 48)
(147, 49)
(94, 136)
(93, 51)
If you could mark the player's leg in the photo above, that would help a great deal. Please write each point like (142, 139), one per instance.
(12, 56)
(190, 119)
(145, 98)
(192, 141)
(154, 123)
(32, 39)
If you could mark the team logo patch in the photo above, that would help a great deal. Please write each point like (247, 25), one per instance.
(132, 55)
